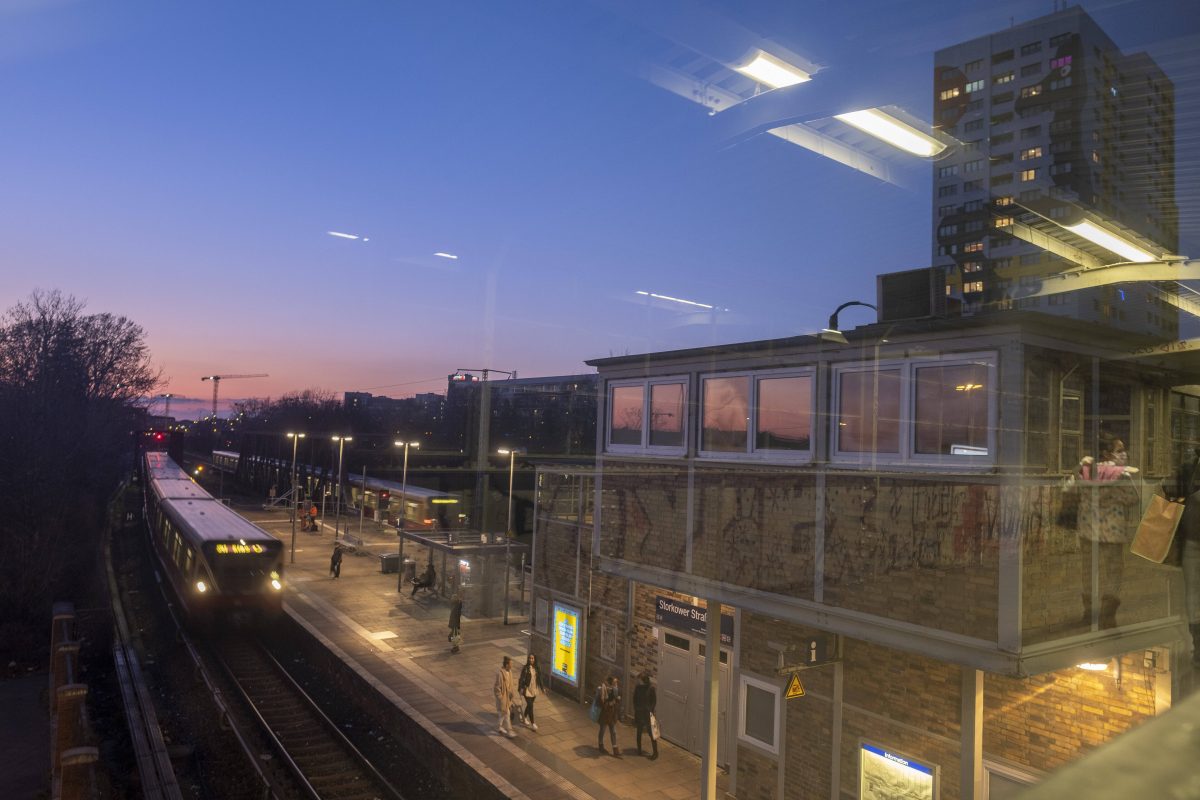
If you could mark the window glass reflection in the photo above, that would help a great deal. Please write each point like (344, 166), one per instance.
(783, 419)
(625, 420)
(865, 398)
(666, 415)
(951, 414)
(726, 413)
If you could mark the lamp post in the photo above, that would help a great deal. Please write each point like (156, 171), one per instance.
(337, 501)
(403, 513)
(295, 437)
(508, 532)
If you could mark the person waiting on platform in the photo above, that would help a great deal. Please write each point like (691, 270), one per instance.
(426, 581)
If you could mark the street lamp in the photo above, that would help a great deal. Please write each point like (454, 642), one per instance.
(295, 437)
(337, 501)
(403, 512)
(508, 533)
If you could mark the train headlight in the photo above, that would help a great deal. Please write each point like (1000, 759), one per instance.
(276, 585)
(201, 587)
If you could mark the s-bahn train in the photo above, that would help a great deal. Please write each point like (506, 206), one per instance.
(220, 565)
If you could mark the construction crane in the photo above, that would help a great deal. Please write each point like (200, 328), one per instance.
(216, 382)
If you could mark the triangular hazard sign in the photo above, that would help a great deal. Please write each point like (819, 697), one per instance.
(794, 687)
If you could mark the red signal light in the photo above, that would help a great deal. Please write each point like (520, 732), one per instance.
(158, 437)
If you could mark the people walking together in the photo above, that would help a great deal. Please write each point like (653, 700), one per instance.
(504, 691)
(335, 562)
(608, 698)
(530, 686)
(645, 698)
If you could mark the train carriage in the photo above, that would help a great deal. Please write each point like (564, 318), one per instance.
(220, 564)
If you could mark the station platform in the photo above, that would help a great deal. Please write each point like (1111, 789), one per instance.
(398, 644)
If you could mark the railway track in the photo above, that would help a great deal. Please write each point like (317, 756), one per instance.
(323, 762)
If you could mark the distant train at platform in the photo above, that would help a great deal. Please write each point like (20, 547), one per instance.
(221, 566)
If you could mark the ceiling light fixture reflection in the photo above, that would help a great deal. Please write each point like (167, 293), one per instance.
(772, 71)
(450, 256)
(341, 235)
(673, 299)
(1110, 241)
(891, 130)
(1094, 666)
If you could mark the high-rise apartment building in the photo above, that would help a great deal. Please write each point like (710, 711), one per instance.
(1058, 126)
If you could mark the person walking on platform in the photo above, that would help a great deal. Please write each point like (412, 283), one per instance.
(608, 698)
(335, 562)
(530, 686)
(644, 701)
(455, 637)
(312, 518)
(504, 691)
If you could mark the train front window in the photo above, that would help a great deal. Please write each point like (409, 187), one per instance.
(243, 568)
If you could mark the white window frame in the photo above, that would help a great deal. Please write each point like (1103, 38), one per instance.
(907, 454)
(645, 448)
(752, 452)
(767, 686)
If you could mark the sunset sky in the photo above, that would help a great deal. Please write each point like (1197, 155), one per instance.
(184, 164)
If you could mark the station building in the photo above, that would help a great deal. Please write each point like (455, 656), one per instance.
(885, 520)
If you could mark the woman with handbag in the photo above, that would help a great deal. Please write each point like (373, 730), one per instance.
(1109, 509)
(644, 701)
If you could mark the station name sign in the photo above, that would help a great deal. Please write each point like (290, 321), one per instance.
(237, 548)
(671, 613)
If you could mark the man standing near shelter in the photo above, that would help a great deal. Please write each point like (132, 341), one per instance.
(504, 689)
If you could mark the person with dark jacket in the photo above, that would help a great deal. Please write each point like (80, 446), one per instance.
(427, 579)
(455, 636)
(1187, 487)
(335, 562)
(644, 701)
(608, 698)
(529, 686)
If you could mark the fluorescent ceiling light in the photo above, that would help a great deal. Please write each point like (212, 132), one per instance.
(1094, 666)
(893, 131)
(673, 299)
(774, 72)
(1110, 241)
(450, 256)
(341, 235)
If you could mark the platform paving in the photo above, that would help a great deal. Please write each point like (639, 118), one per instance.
(399, 644)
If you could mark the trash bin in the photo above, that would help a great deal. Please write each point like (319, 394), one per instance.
(410, 570)
(389, 563)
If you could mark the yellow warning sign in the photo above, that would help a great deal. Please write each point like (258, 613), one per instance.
(794, 687)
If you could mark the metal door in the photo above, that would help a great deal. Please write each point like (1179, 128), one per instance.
(674, 686)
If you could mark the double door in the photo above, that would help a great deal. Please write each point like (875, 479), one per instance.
(682, 700)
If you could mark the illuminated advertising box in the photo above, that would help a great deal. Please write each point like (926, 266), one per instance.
(565, 644)
(885, 775)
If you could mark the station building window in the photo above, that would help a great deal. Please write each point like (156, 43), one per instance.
(758, 722)
(767, 415)
(932, 411)
(647, 416)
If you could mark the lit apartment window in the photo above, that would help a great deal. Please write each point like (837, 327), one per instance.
(1031, 91)
(1003, 222)
(760, 414)
(647, 416)
(972, 266)
(973, 247)
(948, 94)
(1031, 152)
(1028, 174)
(1095, 157)
(1004, 200)
(972, 287)
(1003, 77)
(973, 86)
